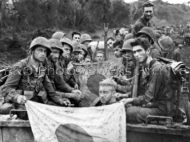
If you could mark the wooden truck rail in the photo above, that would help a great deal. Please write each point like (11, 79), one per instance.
(20, 131)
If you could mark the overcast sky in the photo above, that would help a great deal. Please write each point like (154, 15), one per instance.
(170, 1)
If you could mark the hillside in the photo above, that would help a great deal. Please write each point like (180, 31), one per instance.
(20, 23)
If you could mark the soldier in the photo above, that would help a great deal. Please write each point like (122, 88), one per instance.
(167, 46)
(80, 53)
(67, 49)
(86, 40)
(57, 76)
(144, 21)
(107, 93)
(148, 32)
(67, 52)
(58, 35)
(157, 97)
(76, 37)
(177, 53)
(124, 82)
(28, 80)
(99, 56)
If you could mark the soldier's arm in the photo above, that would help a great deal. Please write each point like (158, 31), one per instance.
(62, 85)
(51, 91)
(152, 90)
(8, 90)
(123, 88)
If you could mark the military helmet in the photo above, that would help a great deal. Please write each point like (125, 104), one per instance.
(148, 31)
(166, 43)
(58, 35)
(55, 43)
(85, 37)
(127, 45)
(81, 48)
(40, 41)
(68, 42)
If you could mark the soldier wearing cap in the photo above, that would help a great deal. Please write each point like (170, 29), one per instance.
(28, 80)
(144, 21)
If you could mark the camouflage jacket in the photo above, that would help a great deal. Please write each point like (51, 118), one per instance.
(23, 77)
(56, 73)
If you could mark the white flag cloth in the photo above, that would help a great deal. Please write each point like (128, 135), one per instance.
(66, 124)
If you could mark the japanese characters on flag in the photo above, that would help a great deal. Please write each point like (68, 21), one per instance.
(87, 124)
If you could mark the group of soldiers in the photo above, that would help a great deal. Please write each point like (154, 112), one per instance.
(46, 75)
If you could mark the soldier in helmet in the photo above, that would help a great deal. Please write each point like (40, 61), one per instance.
(57, 71)
(67, 49)
(67, 59)
(124, 82)
(28, 80)
(148, 32)
(58, 35)
(144, 21)
(86, 40)
(167, 46)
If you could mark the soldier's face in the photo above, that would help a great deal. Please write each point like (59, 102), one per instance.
(55, 54)
(99, 57)
(66, 51)
(148, 12)
(117, 52)
(105, 93)
(110, 43)
(76, 38)
(40, 53)
(139, 53)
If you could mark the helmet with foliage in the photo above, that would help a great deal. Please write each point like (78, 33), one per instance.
(85, 37)
(55, 43)
(40, 41)
(68, 42)
(58, 35)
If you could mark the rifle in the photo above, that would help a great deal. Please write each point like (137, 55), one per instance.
(136, 79)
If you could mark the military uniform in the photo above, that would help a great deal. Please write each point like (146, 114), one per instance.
(25, 80)
(155, 94)
(139, 24)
